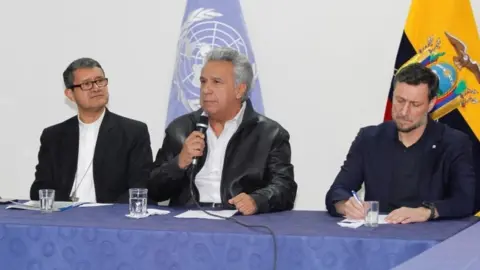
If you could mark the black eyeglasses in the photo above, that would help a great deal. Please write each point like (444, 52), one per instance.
(86, 86)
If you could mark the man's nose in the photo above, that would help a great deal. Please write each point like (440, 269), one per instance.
(405, 109)
(95, 87)
(206, 88)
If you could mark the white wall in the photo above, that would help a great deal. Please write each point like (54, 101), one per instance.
(324, 71)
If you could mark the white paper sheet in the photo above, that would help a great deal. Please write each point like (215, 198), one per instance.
(95, 204)
(201, 214)
(35, 205)
(150, 212)
(6, 200)
(352, 223)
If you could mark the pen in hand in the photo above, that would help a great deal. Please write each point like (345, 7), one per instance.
(352, 210)
(356, 197)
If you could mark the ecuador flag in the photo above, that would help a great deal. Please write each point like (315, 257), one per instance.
(443, 36)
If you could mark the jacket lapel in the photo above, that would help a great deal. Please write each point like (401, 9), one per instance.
(385, 161)
(69, 157)
(432, 149)
(101, 147)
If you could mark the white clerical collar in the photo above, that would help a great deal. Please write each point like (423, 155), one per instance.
(96, 123)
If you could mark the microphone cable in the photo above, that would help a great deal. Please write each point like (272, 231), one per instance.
(192, 177)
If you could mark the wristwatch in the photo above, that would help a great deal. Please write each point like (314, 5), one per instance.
(430, 206)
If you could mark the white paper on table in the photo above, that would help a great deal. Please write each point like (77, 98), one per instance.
(381, 219)
(6, 200)
(354, 223)
(200, 214)
(95, 204)
(35, 205)
(150, 212)
(350, 224)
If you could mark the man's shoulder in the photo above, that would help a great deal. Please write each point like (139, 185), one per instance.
(182, 123)
(271, 125)
(377, 131)
(452, 136)
(59, 128)
(127, 122)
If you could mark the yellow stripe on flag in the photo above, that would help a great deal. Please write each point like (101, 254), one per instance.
(450, 25)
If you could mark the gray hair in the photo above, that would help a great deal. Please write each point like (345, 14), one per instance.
(78, 64)
(242, 68)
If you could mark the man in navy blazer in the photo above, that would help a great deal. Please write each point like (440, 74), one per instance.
(417, 169)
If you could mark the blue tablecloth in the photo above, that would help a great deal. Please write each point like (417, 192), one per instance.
(103, 238)
(461, 251)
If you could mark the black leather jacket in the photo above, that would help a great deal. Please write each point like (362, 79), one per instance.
(257, 162)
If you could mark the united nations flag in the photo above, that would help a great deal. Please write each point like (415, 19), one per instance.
(207, 24)
(442, 35)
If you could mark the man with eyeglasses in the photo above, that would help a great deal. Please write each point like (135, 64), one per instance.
(96, 156)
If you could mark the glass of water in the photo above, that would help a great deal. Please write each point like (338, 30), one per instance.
(46, 197)
(371, 213)
(138, 202)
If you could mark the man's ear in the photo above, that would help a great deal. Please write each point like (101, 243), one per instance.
(240, 91)
(69, 94)
(431, 104)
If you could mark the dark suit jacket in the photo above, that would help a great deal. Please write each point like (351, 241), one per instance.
(447, 174)
(122, 159)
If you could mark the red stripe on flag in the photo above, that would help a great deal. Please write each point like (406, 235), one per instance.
(388, 111)
(405, 52)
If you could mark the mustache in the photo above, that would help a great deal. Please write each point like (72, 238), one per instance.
(97, 95)
(404, 118)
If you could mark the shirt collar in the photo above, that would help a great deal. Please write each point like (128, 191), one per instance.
(239, 117)
(426, 133)
(96, 123)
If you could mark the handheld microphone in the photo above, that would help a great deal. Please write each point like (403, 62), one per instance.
(201, 126)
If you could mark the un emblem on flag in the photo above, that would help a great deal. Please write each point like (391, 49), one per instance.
(454, 90)
(201, 31)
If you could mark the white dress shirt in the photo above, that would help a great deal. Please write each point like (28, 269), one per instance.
(84, 184)
(209, 177)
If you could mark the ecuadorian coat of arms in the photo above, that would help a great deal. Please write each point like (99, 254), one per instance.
(455, 90)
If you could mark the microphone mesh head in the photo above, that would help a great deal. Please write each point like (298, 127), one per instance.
(203, 120)
(203, 123)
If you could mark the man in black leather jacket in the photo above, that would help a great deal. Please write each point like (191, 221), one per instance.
(243, 157)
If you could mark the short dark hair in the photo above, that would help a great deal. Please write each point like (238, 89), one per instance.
(415, 74)
(78, 64)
